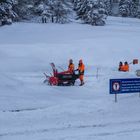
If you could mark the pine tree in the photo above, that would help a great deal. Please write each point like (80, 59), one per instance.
(53, 11)
(91, 12)
(24, 8)
(108, 6)
(81, 8)
(58, 11)
(7, 14)
(128, 8)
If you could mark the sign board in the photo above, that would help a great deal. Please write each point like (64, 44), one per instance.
(131, 85)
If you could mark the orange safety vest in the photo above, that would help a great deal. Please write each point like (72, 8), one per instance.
(81, 69)
(71, 67)
(125, 68)
(121, 68)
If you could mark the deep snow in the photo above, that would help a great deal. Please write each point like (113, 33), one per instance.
(32, 110)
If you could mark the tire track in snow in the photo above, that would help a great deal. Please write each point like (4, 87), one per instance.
(76, 128)
(24, 110)
(117, 132)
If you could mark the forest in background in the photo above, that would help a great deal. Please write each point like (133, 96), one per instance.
(92, 12)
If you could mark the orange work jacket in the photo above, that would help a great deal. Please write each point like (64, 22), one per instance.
(81, 69)
(125, 68)
(71, 67)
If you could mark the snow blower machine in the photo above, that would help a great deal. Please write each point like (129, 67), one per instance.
(64, 78)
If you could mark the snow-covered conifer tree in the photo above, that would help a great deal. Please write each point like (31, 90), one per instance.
(55, 11)
(7, 14)
(91, 11)
(24, 9)
(128, 8)
(108, 6)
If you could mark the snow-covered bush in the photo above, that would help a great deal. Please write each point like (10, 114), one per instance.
(91, 11)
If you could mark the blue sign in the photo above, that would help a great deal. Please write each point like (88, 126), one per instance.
(130, 85)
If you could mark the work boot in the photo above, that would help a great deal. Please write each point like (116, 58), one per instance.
(82, 83)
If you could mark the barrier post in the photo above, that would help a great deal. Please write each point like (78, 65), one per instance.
(116, 98)
(97, 73)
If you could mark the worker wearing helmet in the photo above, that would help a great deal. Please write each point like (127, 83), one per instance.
(81, 69)
(71, 66)
(120, 66)
(126, 67)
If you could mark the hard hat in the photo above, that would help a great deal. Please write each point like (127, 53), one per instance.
(120, 63)
(126, 63)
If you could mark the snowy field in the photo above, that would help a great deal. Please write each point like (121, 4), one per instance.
(31, 110)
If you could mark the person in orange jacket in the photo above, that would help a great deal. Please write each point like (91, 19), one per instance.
(71, 66)
(125, 67)
(81, 69)
(120, 66)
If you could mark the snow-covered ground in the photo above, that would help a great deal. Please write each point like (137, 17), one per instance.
(31, 110)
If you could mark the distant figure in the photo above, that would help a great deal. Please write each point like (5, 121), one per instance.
(126, 67)
(44, 18)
